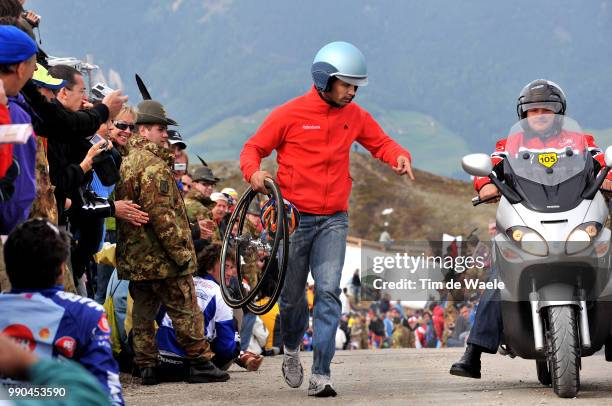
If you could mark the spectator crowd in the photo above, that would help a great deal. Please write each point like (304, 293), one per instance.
(111, 244)
(385, 323)
(110, 240)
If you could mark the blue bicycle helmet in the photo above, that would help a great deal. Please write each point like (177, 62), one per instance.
(341, 60)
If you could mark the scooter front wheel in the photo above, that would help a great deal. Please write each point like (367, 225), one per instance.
(564, 350)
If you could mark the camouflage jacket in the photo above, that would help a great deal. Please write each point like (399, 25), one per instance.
(198, 206)
(163, 248)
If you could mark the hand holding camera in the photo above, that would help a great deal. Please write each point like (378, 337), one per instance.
(94, 151)
(32, 18)
(207, 228)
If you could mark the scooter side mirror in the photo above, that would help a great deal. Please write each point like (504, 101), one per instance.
(481, 165)
(608, 156)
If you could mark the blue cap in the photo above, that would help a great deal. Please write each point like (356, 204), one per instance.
(15, 45)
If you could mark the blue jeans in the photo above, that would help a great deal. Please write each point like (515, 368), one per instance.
(488, 325)
(318, 246)
(102, 278)
(246, 330)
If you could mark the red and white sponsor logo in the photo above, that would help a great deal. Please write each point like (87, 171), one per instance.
(103, 324)
(66, 346)
(22, 335)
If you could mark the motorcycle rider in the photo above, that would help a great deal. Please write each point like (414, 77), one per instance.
(541, 104)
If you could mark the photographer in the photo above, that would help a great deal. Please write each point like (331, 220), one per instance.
(71, 172)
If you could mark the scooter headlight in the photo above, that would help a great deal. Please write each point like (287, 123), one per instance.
(581, 237)
(528, 240)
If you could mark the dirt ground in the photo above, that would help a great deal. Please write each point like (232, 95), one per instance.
(394, 377)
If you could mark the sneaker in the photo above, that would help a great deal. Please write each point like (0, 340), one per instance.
(292, 369)
(321, 386)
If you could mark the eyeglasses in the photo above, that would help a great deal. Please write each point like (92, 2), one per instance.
(122, 125)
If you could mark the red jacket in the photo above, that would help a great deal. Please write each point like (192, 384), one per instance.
(501, 149)
(313, 142)
(6, 150)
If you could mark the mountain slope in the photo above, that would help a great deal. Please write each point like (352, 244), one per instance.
(461, 63)
(423, 209)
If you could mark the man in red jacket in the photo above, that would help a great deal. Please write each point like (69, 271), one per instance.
(312, 135)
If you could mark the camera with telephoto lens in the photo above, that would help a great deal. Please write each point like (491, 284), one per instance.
(99, 92)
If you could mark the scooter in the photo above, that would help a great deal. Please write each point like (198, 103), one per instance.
(551, 249)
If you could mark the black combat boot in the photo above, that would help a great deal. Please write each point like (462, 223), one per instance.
(201, 371)
(469, 364)
(148, 376)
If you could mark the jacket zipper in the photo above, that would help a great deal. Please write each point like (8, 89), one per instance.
(327, 163)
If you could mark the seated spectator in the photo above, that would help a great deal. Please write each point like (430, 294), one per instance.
(117, 293)
(258, 338)
(81, 387)
(219, 326)
(51, 322)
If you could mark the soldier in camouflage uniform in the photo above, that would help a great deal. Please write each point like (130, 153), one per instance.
(158, 258)
(197, 200)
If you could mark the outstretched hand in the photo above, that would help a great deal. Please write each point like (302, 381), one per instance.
(404, 167)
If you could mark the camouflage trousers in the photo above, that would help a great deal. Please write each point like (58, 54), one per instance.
(179, 297)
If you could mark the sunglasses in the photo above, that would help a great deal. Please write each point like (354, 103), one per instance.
(122, 125)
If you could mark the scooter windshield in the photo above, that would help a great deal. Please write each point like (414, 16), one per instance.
(548, 162)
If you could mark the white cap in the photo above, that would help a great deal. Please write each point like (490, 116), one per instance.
(218, 196)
